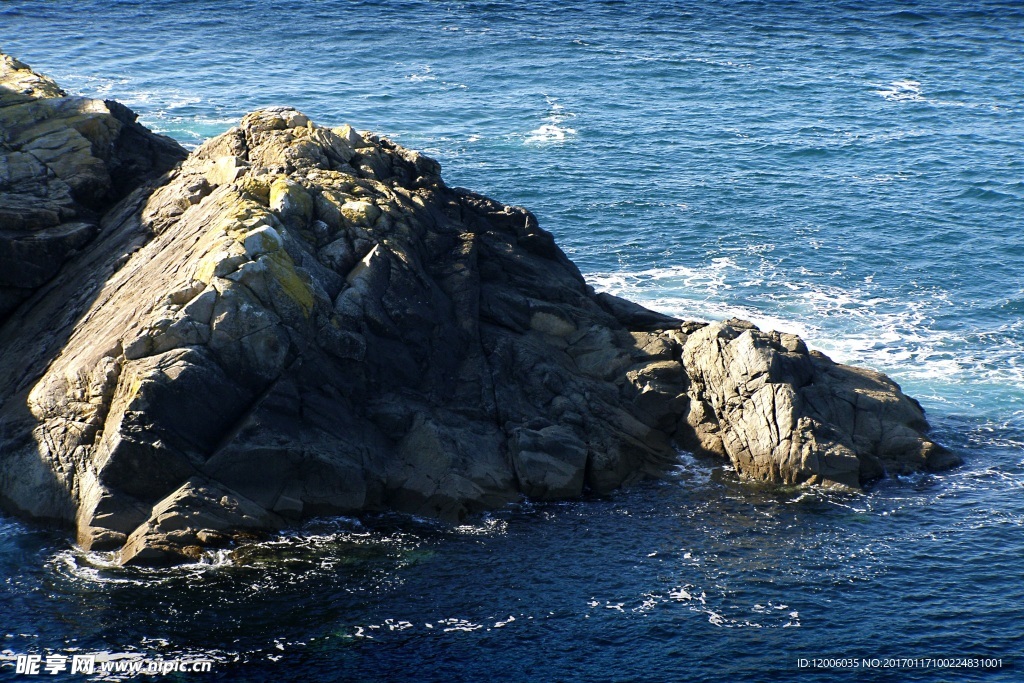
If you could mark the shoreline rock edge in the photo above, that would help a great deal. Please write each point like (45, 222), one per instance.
(298, 320)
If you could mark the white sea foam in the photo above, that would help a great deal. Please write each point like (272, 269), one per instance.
(901, 91)
(549, 133)
(169, 111)
(692, 293)
(459, 625)
(424, 73)
(553, 130)
(11, 527)
(690, 470)
(681, 594)
(860, 323)
(719, 609)
(485, 526)
(103, 568)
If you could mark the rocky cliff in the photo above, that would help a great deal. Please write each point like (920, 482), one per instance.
(301, 320)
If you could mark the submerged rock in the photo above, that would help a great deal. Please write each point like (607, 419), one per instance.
(304, 321)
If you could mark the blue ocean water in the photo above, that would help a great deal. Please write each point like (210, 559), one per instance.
(852, 172)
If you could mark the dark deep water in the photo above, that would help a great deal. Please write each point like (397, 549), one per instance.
(852, 172)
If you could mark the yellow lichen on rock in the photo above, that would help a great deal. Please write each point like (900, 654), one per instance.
(257, 186)
(282, 269)
(290, 199)
(349, 135)
(262, 240)
(273, 119)
(220, 261)
(225, 170)
(328, 206)
(360, 212)
(240, 216)
(23, 83)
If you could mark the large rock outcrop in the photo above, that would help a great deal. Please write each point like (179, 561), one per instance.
(64, 161)
(303, 320)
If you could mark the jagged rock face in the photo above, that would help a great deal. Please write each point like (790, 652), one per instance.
(63, 162)
(311, 322)
(785, 415)
(304, 321)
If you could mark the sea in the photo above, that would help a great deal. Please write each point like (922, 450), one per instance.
(850, 171)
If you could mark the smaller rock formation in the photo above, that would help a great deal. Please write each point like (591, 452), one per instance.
(64, 161)
(784, 415)
(199, 514)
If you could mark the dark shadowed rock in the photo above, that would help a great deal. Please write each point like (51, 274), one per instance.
(304, 321)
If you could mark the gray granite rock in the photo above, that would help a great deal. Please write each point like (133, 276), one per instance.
(783, 414)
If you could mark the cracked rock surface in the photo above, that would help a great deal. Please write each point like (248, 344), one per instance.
(304, 320)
